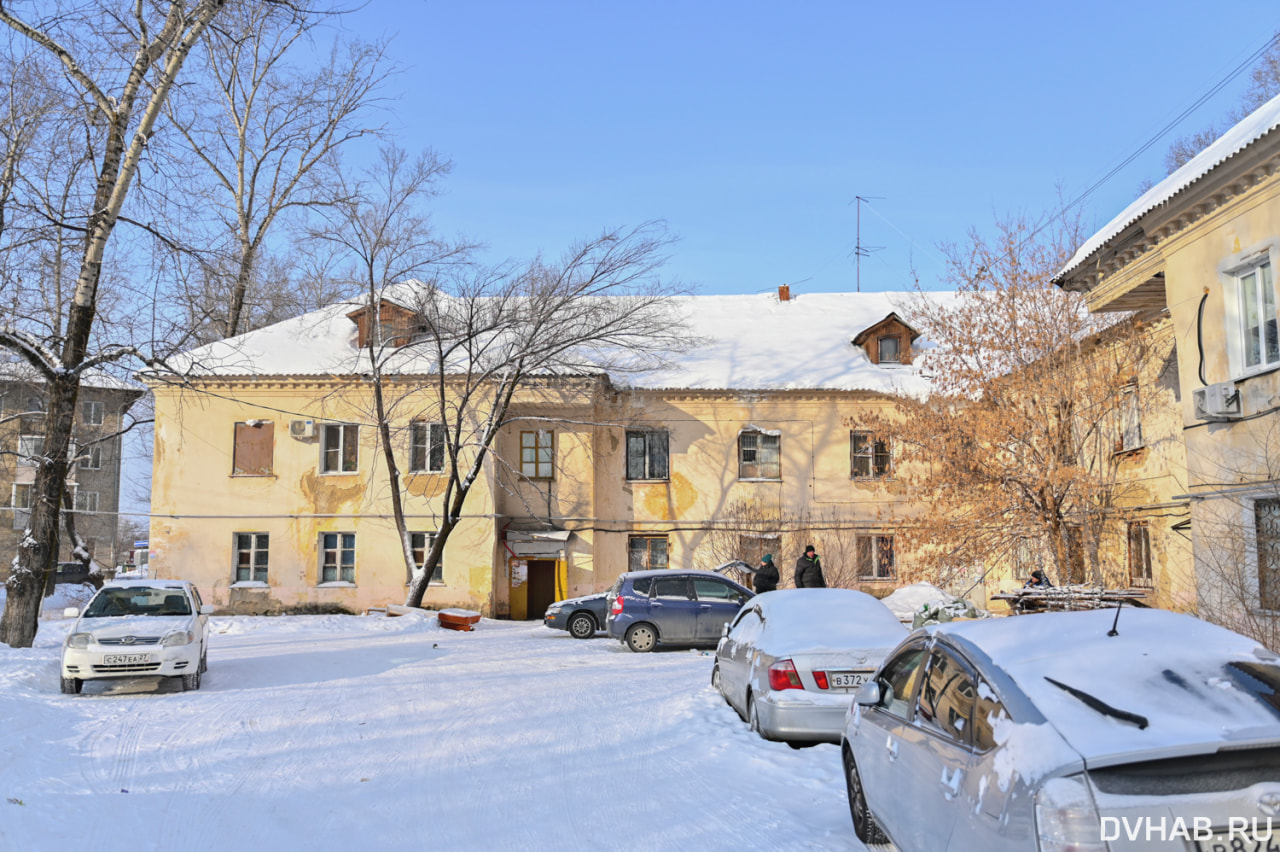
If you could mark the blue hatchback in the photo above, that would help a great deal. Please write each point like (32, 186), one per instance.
(672, 608)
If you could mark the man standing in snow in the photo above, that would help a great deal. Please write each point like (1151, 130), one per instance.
(809, 570)
(766, 579)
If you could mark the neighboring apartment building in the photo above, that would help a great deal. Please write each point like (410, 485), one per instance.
(1204, 244)
(95, 477)
(269, 491)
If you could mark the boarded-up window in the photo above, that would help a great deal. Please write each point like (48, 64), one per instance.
(759, 456)
(1140, 555)
(647, 455)
(254, 448)
(752, 548)
(1266, 516)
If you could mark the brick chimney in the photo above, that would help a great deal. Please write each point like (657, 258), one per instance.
(784, 292)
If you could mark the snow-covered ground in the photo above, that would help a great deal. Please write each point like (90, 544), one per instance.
(345, 732)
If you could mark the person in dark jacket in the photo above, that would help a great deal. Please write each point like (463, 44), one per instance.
(809, 570)
(1037, 581)
(767, 578)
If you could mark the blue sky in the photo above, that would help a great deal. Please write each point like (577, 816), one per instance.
(751, 127)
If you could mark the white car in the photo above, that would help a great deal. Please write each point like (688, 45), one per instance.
(138, 628)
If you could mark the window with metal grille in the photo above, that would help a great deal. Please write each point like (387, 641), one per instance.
(1266, 517)
(254, 449)
(759, 456)
(1140, 554)
(537, 453)
(422, 542)
(251, 556)
(338, 557)
(647, 456)
(869, 456)
(339, 449)
(874, 555)
(426, 447)
(646, 551)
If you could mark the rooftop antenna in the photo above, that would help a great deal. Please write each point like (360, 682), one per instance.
(1114, 624)
(860, 251)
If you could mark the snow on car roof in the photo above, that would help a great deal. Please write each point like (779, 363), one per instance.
(819, 619)
(1174, 670)
(153, 583)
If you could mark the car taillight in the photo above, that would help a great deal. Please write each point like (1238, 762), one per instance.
(783, 675)
(1067, 818)
(820, 678)
(616, 606)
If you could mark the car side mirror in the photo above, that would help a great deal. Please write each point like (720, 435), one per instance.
(71, 612)
(207, 609)
(868, 695)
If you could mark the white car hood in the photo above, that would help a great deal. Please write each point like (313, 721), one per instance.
(117, 627)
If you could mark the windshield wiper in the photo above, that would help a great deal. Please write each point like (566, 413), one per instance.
(1101, 706)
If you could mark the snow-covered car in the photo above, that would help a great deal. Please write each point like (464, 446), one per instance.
(790, 661)
(582, 617)
(138, 628)
(1051, 732)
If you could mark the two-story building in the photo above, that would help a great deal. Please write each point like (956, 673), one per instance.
(1204, 244)
(271, 493)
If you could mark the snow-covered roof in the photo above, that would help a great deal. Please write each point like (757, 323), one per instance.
(14, 371)
(1261, 122)
(1172, 669)
(749, 342)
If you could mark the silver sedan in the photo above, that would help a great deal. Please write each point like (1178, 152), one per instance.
(791, 660)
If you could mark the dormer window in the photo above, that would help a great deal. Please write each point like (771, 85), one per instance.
(395, 326)
(888, 342)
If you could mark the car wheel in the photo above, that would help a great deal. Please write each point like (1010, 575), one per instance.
(641, 638)
(72, 685)
(582, 626)
(191, 681)
(864, 824)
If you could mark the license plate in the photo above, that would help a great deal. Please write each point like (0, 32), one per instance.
(1241, 841)
(848, 680)
(124, 659)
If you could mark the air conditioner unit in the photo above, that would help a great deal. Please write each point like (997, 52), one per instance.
(302, 428)
(1216, 402)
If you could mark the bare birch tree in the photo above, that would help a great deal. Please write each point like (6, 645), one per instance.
(262, 126)
(120, 65)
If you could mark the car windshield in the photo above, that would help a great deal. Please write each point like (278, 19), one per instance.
(138, 600)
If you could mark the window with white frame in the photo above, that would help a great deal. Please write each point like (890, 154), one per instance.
(20, 500)
(426, 447)
(874, 555)
(537, 453)
(89, 458)
(1256, 338)
(647, 454)
(1140, 554)
(86, 501)
(422, 542)
(92, 412)
(869, 456)
(252, 550)
(30, 449)
(339, 448)
(1130, 437)
(759, 455)
(338, 557)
